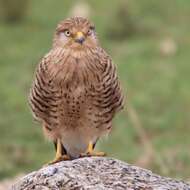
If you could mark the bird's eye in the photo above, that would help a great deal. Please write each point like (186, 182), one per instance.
(89, 32)
(67, 33)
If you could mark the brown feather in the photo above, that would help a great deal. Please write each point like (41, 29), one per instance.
(76, 92)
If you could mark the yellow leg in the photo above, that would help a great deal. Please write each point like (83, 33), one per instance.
(90, 152)
(58, 156)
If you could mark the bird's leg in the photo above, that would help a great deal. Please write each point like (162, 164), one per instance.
(60, 153)
(90, 151)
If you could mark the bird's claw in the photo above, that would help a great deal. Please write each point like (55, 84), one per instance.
(90, 154)
(59, 159)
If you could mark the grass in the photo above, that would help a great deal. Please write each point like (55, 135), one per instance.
(157, 85)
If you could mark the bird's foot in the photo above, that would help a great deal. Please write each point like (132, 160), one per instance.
(90, 152)
(59, 159)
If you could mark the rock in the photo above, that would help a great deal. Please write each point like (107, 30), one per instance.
(96, 173)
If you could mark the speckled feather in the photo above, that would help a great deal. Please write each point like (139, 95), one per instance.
(76, 93)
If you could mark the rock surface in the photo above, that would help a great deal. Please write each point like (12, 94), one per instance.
(96, 174)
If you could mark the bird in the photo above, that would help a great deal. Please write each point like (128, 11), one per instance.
(75, 93)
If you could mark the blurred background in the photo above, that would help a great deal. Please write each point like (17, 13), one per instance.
(149, 42)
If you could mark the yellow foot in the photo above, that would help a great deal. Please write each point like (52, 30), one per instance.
(92, 153)
(59, 159)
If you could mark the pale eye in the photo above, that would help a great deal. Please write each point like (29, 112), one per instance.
(67, 33)
(89, 32)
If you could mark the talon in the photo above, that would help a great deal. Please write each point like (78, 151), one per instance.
(59, 159)
(98, 153)
(82, 155)
(90, 152)
(66, 157)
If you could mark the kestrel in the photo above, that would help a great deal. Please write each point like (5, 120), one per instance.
(76, 92)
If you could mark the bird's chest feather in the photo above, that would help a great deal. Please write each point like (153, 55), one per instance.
(77, 127)
(72, 106)
(76, 81)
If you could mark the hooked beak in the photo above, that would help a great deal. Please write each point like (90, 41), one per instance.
(79, 38)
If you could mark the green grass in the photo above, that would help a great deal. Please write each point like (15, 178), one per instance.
(157, 86)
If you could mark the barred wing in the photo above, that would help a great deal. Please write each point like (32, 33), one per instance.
(44, 96)
(107, 94)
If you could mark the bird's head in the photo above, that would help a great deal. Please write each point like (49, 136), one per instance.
(75, 33)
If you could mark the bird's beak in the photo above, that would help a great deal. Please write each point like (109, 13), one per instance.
(79, 38)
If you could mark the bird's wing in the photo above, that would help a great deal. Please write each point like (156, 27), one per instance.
(44, 96)
(108, 96)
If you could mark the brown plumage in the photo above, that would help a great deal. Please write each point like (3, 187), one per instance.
(76, 92)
